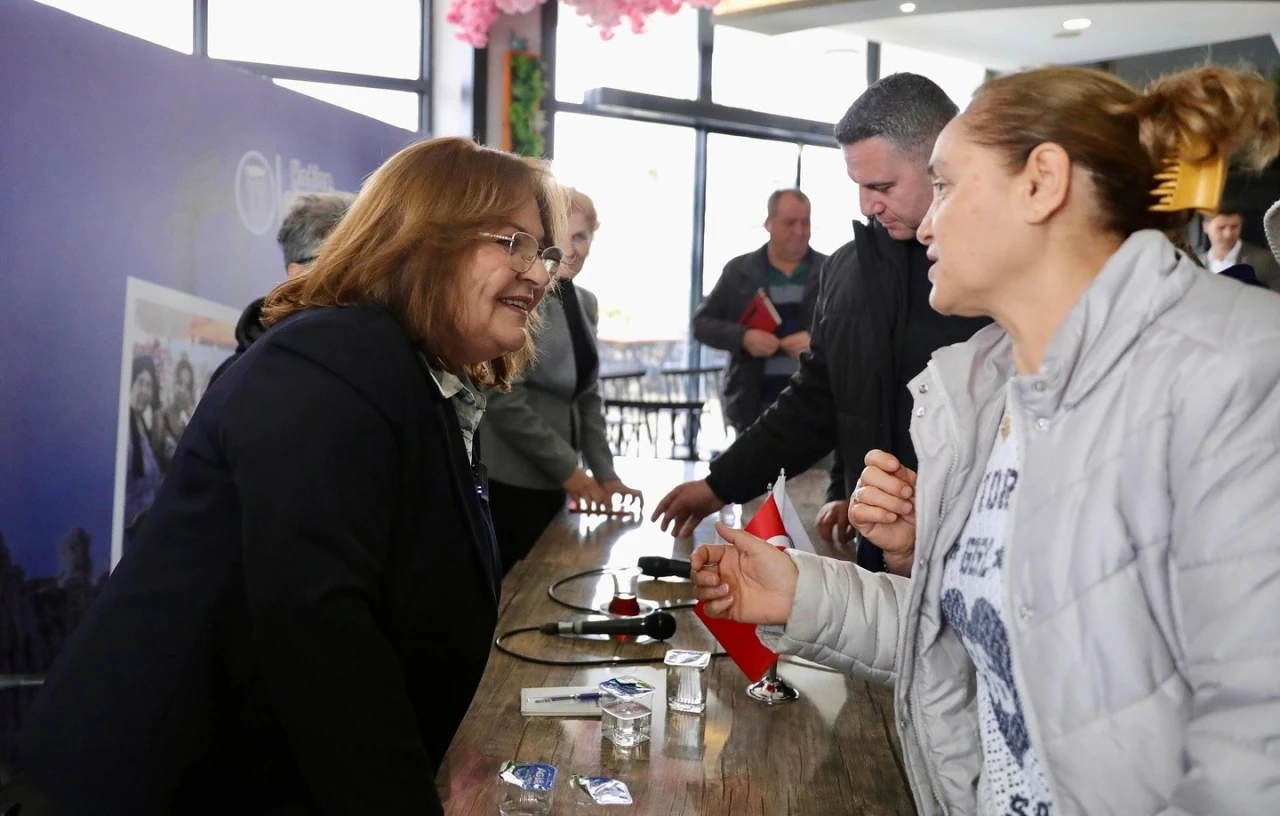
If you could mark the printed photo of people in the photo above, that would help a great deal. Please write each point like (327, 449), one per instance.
(173, 343)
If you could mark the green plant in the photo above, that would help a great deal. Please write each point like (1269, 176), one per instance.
(525, 112)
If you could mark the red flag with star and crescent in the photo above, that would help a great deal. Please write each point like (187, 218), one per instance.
(778, 523)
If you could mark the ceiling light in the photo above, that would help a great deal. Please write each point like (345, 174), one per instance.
(907, 8)
(1077, 24)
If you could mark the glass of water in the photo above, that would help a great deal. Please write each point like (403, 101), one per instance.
(687, 680)
(625, 722)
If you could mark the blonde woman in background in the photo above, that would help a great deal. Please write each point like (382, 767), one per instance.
(538, 436)
(1092, 621)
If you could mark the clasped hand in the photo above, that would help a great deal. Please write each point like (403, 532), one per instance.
(744, 579)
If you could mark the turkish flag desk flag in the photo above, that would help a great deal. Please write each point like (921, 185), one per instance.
(778, 523)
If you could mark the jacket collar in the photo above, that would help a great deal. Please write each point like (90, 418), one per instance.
(1139, 283)
(464, 476)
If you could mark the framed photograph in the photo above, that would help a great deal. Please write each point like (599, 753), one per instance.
(173, 342)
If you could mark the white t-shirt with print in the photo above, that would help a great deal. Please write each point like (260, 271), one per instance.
(1012, 781)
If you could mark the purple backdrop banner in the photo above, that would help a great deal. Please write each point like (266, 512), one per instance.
(121, 159)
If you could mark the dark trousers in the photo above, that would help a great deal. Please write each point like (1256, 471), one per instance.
(520, 514)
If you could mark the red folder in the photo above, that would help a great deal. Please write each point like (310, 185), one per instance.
(761, 314)
(739, 639)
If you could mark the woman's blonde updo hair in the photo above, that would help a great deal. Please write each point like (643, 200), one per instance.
(1123, 137)
(403, 243)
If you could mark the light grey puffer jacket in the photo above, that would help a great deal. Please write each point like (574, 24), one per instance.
(1271, 223)
(1142, 570)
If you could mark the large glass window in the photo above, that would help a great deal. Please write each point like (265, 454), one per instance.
(814, 74)
(959, 78)
(663, 60)
(378, 37)
(741, 173)
(399, 108)
(640, 176)
(824, 178)
(164, 22)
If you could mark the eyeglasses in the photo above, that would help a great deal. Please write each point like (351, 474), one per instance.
(522, 251)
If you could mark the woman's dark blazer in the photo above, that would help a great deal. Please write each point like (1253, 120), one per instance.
(308, 608)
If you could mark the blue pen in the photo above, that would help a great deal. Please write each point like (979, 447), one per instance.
(586, 697)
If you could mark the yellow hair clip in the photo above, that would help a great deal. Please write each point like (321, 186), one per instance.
(1190, 185)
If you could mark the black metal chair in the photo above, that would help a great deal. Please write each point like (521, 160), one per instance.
(622, 384)
(702, 384)
(673, 422)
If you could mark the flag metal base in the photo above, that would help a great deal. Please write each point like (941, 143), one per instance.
(772, 689)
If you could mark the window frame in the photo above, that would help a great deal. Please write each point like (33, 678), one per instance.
(702, 114)
(421, 86)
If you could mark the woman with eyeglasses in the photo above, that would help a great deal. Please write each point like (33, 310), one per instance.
(308, 608)
(537, 435)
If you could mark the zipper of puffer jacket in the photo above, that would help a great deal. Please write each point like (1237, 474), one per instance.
(1019, 685)
(942, 509)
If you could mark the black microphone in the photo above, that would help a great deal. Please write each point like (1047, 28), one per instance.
(657, 625)
(655, 566)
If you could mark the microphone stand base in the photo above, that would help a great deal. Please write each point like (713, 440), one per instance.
(772, 690)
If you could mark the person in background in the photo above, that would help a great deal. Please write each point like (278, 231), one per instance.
(1090, 626)
(310, 603)
(143, 472)
(786, 269)
(874, 331)
(537, 435)
(1226, 248)
(172, 421)
(309, 221)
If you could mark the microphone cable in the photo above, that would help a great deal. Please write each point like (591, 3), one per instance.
(612, 660)
(499, 642)
(659, 605)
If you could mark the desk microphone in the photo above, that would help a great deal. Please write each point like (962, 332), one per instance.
(657, 625)
(655, 566)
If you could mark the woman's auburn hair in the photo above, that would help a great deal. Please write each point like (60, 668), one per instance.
(403, 243)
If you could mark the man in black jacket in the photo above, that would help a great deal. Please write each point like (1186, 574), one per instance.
(786, 270)
(874, 328)
(310, 220)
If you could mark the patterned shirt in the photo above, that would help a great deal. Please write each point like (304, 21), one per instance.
(787, 294)
(1012, 782)
(468, 403)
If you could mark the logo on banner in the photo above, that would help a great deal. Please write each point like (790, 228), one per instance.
(261, 197)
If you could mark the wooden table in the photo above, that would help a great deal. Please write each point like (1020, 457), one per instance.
(834, 751)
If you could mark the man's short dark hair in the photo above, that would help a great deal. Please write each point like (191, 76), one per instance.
(310, 220)
(906, 110)
(1229, 208)
(777, 195)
